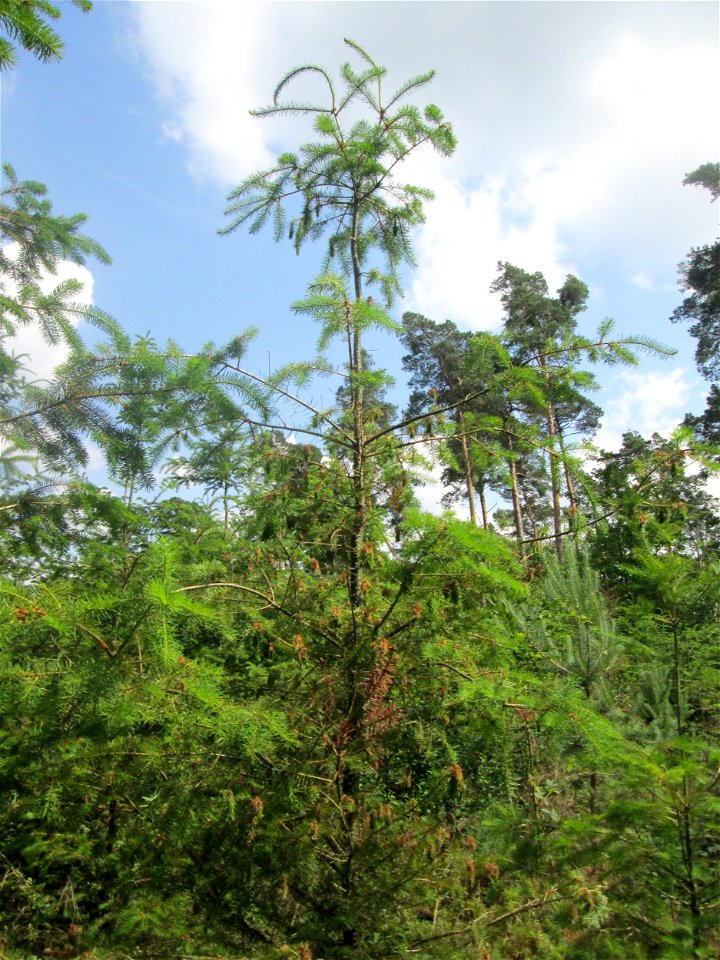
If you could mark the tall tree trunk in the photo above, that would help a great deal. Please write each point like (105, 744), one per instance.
(358, 406)
(347, 781)
(676, 678)
(483, 505)
(554, 466)
(226, 509)
(688, 855)
(554, 479)
(468, 471)
(573, 511)
(529, 520)
(517, 512)
(569, 482)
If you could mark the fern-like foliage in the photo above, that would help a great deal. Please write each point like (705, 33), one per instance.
(26, 23)
(344, 186)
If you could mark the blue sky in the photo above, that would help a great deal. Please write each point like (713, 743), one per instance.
(576, 124)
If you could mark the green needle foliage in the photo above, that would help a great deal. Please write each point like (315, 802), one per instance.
(138, 401)
(699, 279)
(26, 23)
(288, 714)
(345, 184)
(33, 242)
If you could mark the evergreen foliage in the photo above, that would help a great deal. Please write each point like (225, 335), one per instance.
(699, 277)
(278, 710)
(26, 23)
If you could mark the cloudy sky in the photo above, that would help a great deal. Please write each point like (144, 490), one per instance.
(576, 124)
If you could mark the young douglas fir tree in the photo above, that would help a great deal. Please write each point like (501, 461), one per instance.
(344, 186)
(350, 622)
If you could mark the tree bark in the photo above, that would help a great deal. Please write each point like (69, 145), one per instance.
(358, 405)
(483, 506)
(517, 512)
(468, 472)
(554, 479)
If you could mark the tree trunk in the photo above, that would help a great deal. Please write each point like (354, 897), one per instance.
(676, 679)
(483, 506)
(554, 479)
(569, 482)
(517, 512)
(529, 520)
(552, 432)
(358, 407)
(468, 472)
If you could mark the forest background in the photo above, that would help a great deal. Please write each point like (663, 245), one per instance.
(277, 709)
(577, 124)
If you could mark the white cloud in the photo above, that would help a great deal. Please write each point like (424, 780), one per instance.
(96, 467)
(430, 492)
(206, 61)
(713, 485)
(41, 358)
(622, 181)
(648, 402)
(430, 495)
(617, 186)
(585, 150)
(467, 233)
(642, 280)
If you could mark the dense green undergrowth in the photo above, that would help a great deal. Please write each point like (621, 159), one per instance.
(278, 711)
